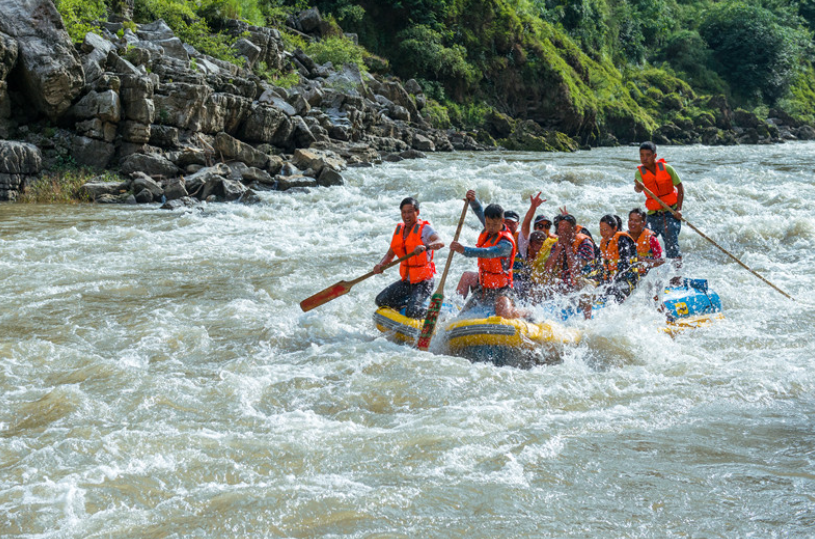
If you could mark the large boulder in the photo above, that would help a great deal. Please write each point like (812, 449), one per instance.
(92, 152)
(232, 148)
(48, 69)
(19, 158)
(152, 165)
(8, 55)
(317, 160)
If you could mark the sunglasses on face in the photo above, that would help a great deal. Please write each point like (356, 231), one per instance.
(541, 226)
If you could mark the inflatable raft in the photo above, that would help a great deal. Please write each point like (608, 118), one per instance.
(479, 335)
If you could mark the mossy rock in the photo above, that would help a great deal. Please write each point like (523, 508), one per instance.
(484, 138)
(551, 141)
(704, 120)
(673, 102)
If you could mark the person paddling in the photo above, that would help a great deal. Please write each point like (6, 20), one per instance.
(416, 283)
(662, 180)
(495, 251)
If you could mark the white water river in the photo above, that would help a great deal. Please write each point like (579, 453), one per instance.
(158, 379)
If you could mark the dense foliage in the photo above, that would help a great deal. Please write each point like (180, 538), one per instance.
(532, 58)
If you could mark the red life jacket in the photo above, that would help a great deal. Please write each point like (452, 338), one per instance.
(491, 272)
(416, 268)
(661, 184)
(610, 252)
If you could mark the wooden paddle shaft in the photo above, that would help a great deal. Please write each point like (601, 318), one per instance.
(440, 288)
(725, 251)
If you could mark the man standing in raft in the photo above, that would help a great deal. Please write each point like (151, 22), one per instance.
(662, 180)
(412, 235)
(495, 251)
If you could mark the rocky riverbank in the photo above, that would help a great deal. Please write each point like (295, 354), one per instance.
(180, 126)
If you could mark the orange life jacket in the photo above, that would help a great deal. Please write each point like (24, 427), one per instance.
(644, 248)
(610, 252)
(661, 184)
(579, 238)
(491, 272)
(416, 268)
(644, 244)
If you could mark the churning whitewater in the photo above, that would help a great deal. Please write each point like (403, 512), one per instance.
(157, 377)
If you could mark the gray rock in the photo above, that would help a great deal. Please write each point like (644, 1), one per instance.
(49, 69)
(135, 132)
(298, 180)
(398, 112)
(165, 136)
(152, 165)
(96, 188)
(144, 196)
(143, 182)
(423, 144)
(105, 106)
(202, 183)
(175, 204)
(329, 177)
(183, 105)
(230, 190)
(92, 152)
(248, 50)
(309, 20)
(393, 158)
(413, 87)
(96, 128)
(155, 31)
(19, 158)
(412, 154)
(250, 197)
(267, 124)
(253, 174)
(232, 148)
(805, 132)
(174, 188)
(187, 157)
(8, 55)
(95, 42)
(317, 160)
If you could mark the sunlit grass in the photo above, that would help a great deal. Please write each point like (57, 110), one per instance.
(62, 187)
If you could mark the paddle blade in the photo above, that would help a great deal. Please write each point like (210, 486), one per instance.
(429, 326)
(332, 292)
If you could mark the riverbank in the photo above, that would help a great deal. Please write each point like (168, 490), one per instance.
(175, 125)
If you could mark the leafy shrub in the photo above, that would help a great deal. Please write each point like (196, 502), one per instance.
(337, 50)
(186, 22)
(426, 56)
(79, 16)
(757, 54)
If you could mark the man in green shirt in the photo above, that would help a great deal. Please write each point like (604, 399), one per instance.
(662, 180)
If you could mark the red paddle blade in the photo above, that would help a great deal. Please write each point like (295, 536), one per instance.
(332, 292)
(429, 326)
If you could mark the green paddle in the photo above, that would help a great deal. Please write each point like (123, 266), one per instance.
(438, 297)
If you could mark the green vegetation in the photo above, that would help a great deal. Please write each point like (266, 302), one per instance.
(63, 186)
(582, 67)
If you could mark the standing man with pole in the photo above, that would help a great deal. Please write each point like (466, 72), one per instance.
(661, 179)
(412, 235)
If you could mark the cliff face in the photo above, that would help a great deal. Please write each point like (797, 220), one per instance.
(135, 98)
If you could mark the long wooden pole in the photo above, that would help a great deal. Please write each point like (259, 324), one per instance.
(433, 310)
(725, 251)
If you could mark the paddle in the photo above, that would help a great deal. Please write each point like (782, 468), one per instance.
(725, 251)
(341, 288)
(438, 297)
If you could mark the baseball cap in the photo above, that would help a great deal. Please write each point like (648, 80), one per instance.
(512, 216)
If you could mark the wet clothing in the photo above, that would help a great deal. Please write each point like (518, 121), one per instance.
(664, 224)
(662, 183)
(618, 269)
(659, 220)
(404, 294)
(584, 250)
(647, 247)
(416, 268)
(495, 271)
